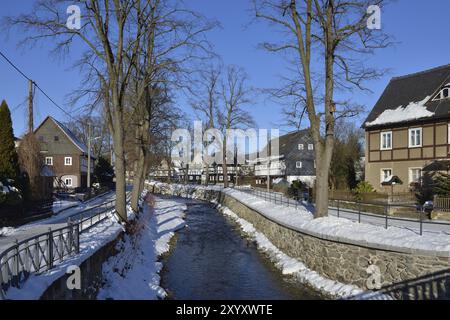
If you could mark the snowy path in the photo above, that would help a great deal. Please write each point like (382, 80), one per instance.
(404, 223)
(395, 237)
(134, 272)
(378, 220)
(60, 220)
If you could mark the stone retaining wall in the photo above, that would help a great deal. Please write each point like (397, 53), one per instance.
(403, 275)
(91, 277)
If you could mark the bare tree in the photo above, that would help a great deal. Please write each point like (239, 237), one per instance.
(107, 34)
(100, 137)
(335, 33)
(174, 38)
(235, 94)
(31, 161)
(118, 36)
(206, 102)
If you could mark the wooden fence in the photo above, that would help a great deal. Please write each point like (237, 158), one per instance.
(441, 204)
(373, 197)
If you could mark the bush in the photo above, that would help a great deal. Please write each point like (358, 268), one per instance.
(363, 187)
(9, 194)
(282, 186)
(103, 173)
(297, 189)
(426, 190)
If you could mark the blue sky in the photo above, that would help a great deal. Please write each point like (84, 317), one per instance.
(420, 29)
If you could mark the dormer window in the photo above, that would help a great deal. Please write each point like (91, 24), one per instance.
(444, 93)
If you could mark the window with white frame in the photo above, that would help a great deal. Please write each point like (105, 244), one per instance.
(68, 161)
(415, 137)
(448, 138)
(444, 93)
(68, 182)
(301, 146)
(310, 147)
(386, 140)
(415, 174)
(298, 164)
(220, 178)
(49, 161)
(386, 175)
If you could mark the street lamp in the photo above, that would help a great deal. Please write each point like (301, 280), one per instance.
(89, 159)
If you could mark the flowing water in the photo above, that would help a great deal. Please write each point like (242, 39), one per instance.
(211, 260)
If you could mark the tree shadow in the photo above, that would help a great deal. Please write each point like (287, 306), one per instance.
(434, 286)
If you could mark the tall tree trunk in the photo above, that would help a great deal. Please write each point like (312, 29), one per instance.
(224, 163)
(120, 175)
(323, 156)
(119, 151)
(139, 167)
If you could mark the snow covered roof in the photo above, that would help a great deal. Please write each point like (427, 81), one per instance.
(409, 98)
(413, 111)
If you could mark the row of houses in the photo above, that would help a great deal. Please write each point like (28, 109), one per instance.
(295, 161)
(407, 133)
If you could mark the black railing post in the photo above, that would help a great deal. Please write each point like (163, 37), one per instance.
(421, 222)
(359, 212)
(16, 262)
(338, 211)
(50, 248)
(387, 213)
(70, 226)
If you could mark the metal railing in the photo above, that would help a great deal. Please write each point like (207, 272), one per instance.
(358, 213)
(41, 252)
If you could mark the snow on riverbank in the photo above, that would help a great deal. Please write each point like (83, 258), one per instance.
(345, 230)
(6, 231)
(395, 238)
(291, 266)
(134, 272)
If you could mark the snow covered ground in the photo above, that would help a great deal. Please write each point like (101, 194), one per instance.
(90, 242)
(134, 272)
(291, 266)
(61, 205)
(9, 235)
(394, 238)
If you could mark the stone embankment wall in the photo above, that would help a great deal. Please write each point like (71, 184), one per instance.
(404, 274)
